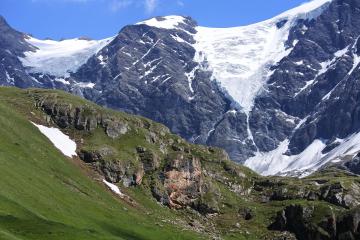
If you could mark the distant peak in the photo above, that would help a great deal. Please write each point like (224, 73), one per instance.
(168, 22)
(310, 9)
(3, 21)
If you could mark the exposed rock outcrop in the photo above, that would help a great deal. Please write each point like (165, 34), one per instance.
(302, 220)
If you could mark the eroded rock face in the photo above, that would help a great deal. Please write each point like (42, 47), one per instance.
(183, 180)
(66, 115)
(115, 129)
(95, 155)
(298, 219)
(301, 220)
(184, 185)
(150, 160)
(353, 165)
(335, 193)
(113, 170)
(348, 226)
(81, 117)
(342, 196)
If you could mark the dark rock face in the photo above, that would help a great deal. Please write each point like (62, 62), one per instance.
(332, 192)
(13, 45)
(300, 220)
(149, 159)
(115, 129)
(349, 225)
(152, 81)
(353, 165)
(329, 104)
(294, 218)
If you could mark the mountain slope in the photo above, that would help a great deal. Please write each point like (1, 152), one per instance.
(268, 101)
(44, 195)
(164, 187)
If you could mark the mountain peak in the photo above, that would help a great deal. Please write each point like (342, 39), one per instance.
(310, 9)
(168, 22)
(4, 23)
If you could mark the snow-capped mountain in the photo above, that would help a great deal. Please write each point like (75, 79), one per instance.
(281, 96)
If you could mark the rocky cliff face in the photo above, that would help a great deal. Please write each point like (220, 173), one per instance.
(302, 103)
(13, 45)
(297, 219)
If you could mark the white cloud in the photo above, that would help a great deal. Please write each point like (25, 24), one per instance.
(67, 1)
(150, 5)
(117, 5)
(75, 1)
(180, 3)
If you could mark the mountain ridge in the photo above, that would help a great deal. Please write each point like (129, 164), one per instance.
(155, 72)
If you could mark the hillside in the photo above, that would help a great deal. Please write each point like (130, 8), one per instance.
(167, 188)
(44, 195)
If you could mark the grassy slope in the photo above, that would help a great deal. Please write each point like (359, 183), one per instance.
(44, 196)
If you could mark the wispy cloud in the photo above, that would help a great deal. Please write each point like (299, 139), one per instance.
(180, 3)
(150, 6)
(117, 5)
(70, 1)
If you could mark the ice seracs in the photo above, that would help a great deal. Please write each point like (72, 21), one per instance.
(59, 58)
(59, 139)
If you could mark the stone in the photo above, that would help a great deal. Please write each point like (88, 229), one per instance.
(116, 129)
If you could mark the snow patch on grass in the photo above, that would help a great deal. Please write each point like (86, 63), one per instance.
(113, 188)
(59, 139)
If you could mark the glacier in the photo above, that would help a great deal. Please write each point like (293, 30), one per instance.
(240, 57)
(277, 162)
(60, 58)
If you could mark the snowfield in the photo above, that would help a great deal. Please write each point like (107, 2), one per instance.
(59, 139)
(311, 159)
(59, 58)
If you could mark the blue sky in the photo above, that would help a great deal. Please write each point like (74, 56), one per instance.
(103, 18)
